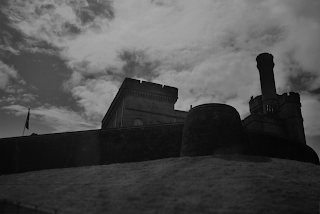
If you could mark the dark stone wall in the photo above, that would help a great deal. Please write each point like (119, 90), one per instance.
(49, 151)
(150, 108)
(21, 154)
(150, 111)
(149, 104)
(148, 118)
(264, 144)
(141, 143)
(266, 124)
(180, 115)
(208, 131)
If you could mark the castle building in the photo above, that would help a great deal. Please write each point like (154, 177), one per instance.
(142, 103)
(145, 103)
(141, 124)
(272, 113)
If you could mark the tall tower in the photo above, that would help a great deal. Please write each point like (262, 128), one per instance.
(268, 87)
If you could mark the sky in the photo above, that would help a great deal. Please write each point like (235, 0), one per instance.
(66, 59)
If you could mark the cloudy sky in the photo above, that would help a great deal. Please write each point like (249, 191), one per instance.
(65, 59)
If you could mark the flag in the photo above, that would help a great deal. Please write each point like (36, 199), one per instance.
(27, 121)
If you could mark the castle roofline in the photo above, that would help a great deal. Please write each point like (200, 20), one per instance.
(291, 97)
(149, 87)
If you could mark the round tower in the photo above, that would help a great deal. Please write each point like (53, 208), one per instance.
(265, 66)
(212, 129)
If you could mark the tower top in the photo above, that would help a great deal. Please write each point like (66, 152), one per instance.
(265, 60)
(268, 86)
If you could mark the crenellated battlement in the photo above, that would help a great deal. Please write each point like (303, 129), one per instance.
(292, 97)
(150, 87)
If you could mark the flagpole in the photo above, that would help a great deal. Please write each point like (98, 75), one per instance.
(24, 129)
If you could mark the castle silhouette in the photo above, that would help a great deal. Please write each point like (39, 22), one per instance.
(141, 124)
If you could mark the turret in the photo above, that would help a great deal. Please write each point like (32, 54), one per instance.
(291, 114)
(268, 87)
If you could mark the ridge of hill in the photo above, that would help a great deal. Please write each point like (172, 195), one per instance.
(209, 184)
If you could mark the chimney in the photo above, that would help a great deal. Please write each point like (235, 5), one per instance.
(265, 66)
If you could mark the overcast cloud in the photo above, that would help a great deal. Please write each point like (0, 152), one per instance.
(205, 48)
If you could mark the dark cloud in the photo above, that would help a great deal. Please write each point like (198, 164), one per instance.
(10, 38)
(45, 72)
(269, 36)
(315, 91)
(13, 40)
(137, 65)
(71, 29)
(299, 79)
(162, 3)
(45, 8)
(85, 15)
(101, 8)
(302, 82)
(306, 8)
(95, 8)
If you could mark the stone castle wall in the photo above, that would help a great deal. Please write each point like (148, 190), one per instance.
(84, 148)
(219, 132)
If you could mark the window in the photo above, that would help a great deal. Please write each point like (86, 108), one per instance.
(270, 109)
(137, 122)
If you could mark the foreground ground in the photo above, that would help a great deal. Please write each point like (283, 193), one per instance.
(225, 184)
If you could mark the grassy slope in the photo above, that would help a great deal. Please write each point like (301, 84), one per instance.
(236, 184)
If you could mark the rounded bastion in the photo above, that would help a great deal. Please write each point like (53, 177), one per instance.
(212, 128)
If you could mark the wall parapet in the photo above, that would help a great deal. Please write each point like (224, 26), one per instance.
(150, 87)
(292, 97)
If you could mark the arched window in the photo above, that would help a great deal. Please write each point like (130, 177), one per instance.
(137, 122)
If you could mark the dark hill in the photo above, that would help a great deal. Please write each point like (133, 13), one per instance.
(211, 184)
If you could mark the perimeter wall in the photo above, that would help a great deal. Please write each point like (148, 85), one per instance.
(84, 148)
